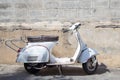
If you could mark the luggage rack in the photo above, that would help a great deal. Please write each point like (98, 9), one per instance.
(11, 43)
(43, 38)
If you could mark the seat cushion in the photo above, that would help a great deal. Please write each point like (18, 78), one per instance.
(42, 38)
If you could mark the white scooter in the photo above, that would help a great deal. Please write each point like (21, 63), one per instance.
(36, 55)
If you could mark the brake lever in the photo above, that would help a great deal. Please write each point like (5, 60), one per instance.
(65, 30)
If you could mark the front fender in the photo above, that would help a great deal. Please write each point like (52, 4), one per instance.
(86, 54)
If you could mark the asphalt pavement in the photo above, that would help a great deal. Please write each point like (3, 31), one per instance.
(17, 72)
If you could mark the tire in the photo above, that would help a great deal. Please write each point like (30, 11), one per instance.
(31, 67)
(88, 67)
(51, 66)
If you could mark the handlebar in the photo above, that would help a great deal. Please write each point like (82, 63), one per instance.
(77, 26)
(73, 27)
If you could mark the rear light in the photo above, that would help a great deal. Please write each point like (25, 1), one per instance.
(19, 50)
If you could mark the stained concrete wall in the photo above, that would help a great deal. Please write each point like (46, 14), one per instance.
(60, 10)
(104, 40)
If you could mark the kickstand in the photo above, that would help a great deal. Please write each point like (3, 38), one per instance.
(61, 77)
(60, 70)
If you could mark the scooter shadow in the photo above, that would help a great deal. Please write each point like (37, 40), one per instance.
(71, 71)
(102, 68)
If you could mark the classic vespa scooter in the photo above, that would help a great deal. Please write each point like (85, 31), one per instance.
(37, 54)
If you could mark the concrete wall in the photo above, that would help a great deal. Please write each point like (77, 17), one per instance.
(104, 40)
(60, 10)
(47, 17)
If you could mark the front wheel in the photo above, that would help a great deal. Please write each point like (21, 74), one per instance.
(33, 68)
(91, 65)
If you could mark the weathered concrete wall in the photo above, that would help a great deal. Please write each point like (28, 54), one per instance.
(35, 17)
(104, 40)
(61, 10)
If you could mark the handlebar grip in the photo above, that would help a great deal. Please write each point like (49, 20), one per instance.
(77, 26)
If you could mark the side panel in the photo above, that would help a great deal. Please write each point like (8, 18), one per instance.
(36, 54)
(85, 55)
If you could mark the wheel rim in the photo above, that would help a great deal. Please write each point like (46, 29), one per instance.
(34, 65)
(90, 65)
(30, 65)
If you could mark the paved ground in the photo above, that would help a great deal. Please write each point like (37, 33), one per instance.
(17, 72)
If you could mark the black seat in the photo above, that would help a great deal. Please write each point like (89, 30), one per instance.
(42, 38)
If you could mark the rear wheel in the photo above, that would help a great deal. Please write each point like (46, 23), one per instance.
(91, 65)
(33, 68)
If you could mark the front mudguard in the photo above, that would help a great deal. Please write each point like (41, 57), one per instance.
(87, 54)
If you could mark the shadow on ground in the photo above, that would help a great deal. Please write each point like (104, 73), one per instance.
(21, 74)
(72, 71)
(102, 68)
